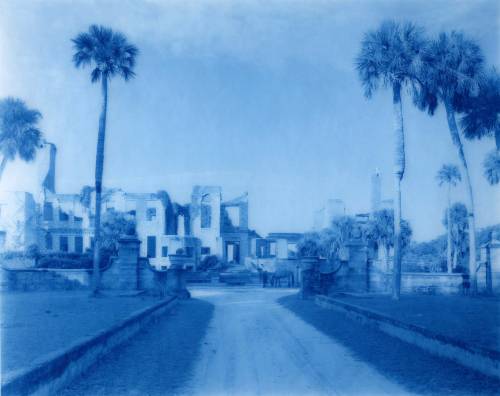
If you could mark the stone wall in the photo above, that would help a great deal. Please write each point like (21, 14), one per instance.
(360, 274)
(127, 271)
(418, 282)
(36, 279)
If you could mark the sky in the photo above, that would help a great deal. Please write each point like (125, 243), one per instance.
(255, 96)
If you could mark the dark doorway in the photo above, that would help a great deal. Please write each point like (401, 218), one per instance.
(232, 252)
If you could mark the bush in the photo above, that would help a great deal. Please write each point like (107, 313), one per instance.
(9, 255)
(32, 252)
(61, 263)
(309, 245)
(61, 260)
(209, 262)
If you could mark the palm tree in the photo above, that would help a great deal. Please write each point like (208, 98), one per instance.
(380, 231)
(19, 133)
(451, 67)
(491, 167)
(457, 223)
(449, 175)
(389, 57)
(109, 54)
(482, 118)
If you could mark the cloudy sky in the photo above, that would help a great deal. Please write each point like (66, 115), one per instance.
(257, 96)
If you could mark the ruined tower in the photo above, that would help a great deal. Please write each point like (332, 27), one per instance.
(376, 191)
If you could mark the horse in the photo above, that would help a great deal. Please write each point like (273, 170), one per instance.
(279, 275)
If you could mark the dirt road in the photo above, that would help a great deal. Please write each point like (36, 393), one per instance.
(255, 346)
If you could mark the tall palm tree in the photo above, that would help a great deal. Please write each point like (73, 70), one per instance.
(109, 54)
(449, 175)
(19, 133)
(482, 119)
(389, 57)
(450, 72)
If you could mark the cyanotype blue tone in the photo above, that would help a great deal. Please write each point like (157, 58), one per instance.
(249, 198)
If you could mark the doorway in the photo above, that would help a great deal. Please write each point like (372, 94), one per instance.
(232, 252)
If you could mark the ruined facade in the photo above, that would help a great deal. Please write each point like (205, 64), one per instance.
(18, 219)
(64, 222)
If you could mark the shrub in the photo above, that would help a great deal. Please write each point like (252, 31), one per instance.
(209, 262)
(309, 245)
(60, 263)
(59, 260)
(9, 255)
(32, 251)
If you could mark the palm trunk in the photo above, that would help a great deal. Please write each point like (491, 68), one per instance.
(448, 245)
(386, 257)
(2, 165)
(99, 166)
(455, 137)
(399, 168)
(489, 279)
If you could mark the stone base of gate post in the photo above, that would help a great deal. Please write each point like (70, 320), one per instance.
(307, 267)
(176, 275)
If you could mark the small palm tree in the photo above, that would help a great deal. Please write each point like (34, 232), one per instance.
(451, 68)
(109, 54)
(456, 221)
(380, 231)
(491, 166)
(482, 119)
(19, 133)
(449, 175)
(390, 57)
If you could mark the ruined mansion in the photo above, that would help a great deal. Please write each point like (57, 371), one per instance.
(57, 222)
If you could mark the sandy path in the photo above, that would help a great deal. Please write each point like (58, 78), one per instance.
(255, 346)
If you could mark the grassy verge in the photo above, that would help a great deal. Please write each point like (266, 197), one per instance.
(415, 369)
(473, 320)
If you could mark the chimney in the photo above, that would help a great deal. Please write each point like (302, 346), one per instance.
(49, 182)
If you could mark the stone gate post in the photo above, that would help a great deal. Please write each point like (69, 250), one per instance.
(307, 268)
(128, 263)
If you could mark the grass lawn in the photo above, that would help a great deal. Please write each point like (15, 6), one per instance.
(36, 323)
(415, 369)
(475, 320)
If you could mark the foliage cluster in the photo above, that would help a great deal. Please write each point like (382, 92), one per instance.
(327, 243)
(115, 225)
(211, 262)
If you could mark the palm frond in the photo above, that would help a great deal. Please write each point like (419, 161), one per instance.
(19, 134)
(491, 166)
(108, 52)
(389, 55)
(482, 112)
(448, 174)
(451, 68)
(95, 75)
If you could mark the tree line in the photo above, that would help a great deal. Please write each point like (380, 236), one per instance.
(447, 70)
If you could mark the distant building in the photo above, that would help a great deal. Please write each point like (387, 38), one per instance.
(281, 245)
(323, 217)
(387, 204)
(18, 219)
(376, 193)
(377, 203)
